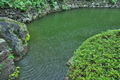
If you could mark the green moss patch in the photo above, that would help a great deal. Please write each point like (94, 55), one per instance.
(98, 58)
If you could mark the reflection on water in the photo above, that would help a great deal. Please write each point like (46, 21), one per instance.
(55, 37)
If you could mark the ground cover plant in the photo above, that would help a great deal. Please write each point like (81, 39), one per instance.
(0, 68)
(98, 58)
(27, 5)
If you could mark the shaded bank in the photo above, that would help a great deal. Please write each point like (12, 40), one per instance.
(33, 14)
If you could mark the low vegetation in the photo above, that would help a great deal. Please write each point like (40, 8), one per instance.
(11, 56)
(27, 5)
(98, 58)
(0, 68)
(14, 75)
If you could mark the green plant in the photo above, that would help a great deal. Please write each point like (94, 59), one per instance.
(113, 1)
(27, 38)
(0, 68)
(0, 65)
(64, 7)
(27, 5)
(11, 56)
(97, 58)
(14, 75)
(39, 10)
(2, 3)
(10, 49)
(54, 4)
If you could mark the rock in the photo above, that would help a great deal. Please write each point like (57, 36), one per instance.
(66, 78)
(15, 34)
(7, 66)
(4, 52)
(26, 19)
(69, 62)
(13, 38)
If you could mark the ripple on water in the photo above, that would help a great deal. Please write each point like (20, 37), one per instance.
(54, 39)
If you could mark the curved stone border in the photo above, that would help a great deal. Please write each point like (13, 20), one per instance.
(21, 16)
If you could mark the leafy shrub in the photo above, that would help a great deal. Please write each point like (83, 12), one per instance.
(113, 1)
(15, 74)
(98, 58)
(1, 68)
(25, 5)
(21, 4)
(11, 56)
(64, 7)
(27, 38)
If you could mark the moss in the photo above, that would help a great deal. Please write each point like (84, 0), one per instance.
(10, 20)
(97, 58)
(2, 20)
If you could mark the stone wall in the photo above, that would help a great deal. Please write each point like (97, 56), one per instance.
(22, 16)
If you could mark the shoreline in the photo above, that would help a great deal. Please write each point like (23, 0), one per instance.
(25, 17)
(21, 16)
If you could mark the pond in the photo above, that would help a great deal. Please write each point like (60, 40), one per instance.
(55, 37)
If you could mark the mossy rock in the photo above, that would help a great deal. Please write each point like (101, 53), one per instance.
(16, 35)
(98, 58)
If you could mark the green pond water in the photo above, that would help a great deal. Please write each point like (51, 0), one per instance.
(55, 37)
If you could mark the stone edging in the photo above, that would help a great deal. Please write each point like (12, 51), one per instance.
(20, 16)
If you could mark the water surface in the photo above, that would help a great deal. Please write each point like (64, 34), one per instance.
(55, 37)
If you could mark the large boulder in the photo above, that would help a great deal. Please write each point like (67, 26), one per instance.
(15, 34)
(7, 66)
(13, 45)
